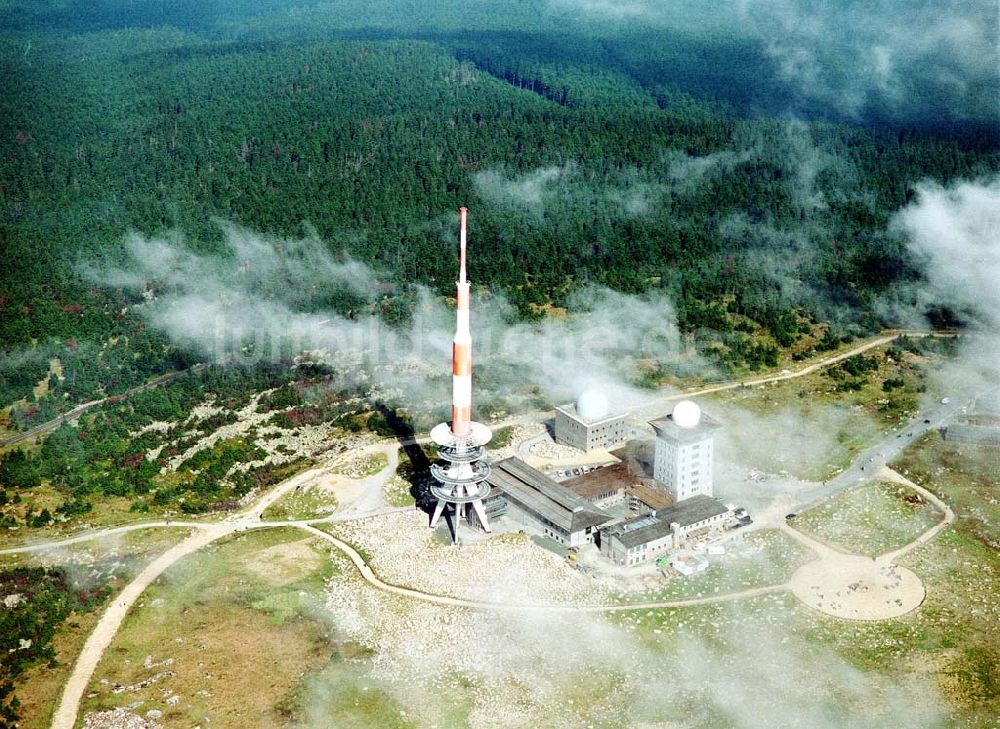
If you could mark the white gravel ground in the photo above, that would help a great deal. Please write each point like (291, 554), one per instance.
(507, 568)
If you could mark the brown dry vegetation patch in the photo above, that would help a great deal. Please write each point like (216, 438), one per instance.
(226, 634)
(40, 686)
(284, 563)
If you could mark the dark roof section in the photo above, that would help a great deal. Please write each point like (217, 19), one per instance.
(639, 455)
(652, 497)
(544, 496)
(612, 478)
(657, 525)
(600, 481)
(666, 426)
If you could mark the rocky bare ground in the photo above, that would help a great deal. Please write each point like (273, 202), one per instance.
(506, 568)
(121, 718)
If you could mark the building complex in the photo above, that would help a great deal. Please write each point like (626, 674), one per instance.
(664, 508)
(647, 537)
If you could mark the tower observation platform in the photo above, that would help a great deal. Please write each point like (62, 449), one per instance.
(461, 476)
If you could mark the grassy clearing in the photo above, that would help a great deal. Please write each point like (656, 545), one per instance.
(950, 641)
(871, 519)
(952, 638)
(108, 511)
(769, 661)
(810, 427)
(398, 492)
(110, 562)
(308, 502)
(765, 557)
(342, 693)
(502, 437)
(224, 635)
(966, 476)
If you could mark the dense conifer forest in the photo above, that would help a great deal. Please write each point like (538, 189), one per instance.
(658, 160)
(743, 189)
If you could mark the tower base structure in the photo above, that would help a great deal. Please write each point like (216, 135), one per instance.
(461, 478)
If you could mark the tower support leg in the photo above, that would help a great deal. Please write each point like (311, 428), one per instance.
(438, 508)
(481, 513)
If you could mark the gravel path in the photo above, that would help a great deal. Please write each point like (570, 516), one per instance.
(853, 587)
(949, 516)
(371, 578)
(111, 620)
(113, 616)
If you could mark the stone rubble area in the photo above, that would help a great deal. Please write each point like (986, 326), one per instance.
(519, 434)
(548, 448)
(506, 568)
(247, 418)
(358, 465)
(121, 718)
(509, 668)
(157, 426)
(282, 445)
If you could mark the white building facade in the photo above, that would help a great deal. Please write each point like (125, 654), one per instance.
(684, 458)
(647, 537)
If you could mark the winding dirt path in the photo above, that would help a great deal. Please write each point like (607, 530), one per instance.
(886, 338)
(114, 615)
(368, 574)
(949, 515)
(853, 587)
(111, 620)
(837, 572)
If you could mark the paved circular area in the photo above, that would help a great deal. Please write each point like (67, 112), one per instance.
(857, 588)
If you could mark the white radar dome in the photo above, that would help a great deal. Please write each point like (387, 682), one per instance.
(592, 405)
(686, 414)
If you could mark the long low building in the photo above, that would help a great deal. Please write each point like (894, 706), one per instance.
(638, 540)
(534, 500)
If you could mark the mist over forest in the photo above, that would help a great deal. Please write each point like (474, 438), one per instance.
(229, 234)
(741, 162)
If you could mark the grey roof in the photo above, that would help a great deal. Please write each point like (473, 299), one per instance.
(550, 500)
(657, 525)
(667, 427)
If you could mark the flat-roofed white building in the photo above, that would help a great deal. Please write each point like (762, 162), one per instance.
(588, 423)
